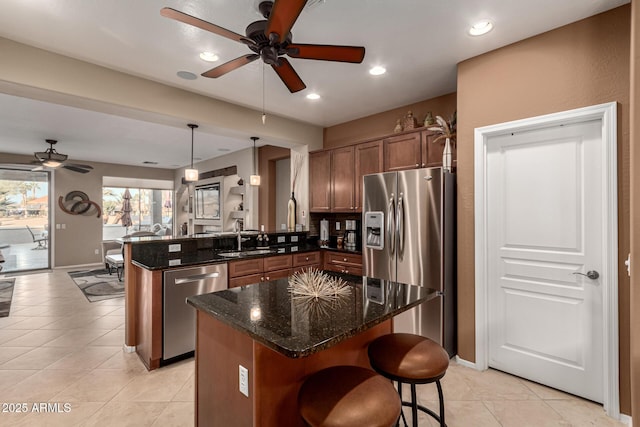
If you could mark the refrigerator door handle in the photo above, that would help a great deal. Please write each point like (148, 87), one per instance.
(400, 224)
(391, 212)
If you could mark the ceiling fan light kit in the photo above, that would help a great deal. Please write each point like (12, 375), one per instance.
(270, 40)
(52, 159)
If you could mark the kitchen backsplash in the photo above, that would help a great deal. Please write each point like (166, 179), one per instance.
(333, 218)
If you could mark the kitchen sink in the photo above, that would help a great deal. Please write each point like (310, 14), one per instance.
(258, 252)
(237, 254)
(230, 254)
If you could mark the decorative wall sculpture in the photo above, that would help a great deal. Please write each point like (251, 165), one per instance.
(78, 203)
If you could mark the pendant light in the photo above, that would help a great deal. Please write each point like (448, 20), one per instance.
(255, 178)
(191, 174)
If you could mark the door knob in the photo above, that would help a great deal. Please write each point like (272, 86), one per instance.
(591, 274)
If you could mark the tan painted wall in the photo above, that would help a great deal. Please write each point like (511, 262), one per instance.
(381, 124)
(83, 234)
(578, 65)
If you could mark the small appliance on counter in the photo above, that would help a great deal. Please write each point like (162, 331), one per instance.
(324, 233)
(351, 234)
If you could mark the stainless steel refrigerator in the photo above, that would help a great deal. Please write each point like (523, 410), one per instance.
(409, 236)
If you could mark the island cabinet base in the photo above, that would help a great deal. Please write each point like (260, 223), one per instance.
(274, 379)
(148, 332)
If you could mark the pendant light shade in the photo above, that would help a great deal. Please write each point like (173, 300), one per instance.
(191, 174)
(255, 178)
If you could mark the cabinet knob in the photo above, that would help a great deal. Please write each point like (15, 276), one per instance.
(344, 259)
(423, 165)
(268, 278)
(341, 271)
(306, 259)
(262, 279)
(346, 271)
(417, 164)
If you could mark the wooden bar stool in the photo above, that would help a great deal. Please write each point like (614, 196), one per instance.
(351, 396)
(411, 359)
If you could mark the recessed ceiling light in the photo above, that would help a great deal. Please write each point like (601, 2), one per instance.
(209, 56)
(377, 70)
(481, 27)
(186, 75)
(313, 96)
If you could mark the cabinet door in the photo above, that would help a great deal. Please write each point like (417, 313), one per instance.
(279, 262)
(342, 180)
(246, 280)
(277, 274)
(402, 152)
(432, 152)
(368, 159)
(245, 267)
(319, 181)
(306, 258)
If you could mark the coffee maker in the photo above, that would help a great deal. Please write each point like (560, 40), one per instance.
(351, 234)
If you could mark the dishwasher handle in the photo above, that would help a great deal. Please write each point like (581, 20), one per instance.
(196, 278)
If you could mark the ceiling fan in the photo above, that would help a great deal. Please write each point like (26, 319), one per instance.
(270, 40)
(52, 159)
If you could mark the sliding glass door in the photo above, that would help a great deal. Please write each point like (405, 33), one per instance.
(24, 220)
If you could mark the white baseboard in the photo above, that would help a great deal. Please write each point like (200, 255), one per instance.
(465, 363)
(626, 419)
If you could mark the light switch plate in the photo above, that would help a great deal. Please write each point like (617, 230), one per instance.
(244, 380)
(281, 239)
(173, 262)
(174, 247)
(338, 226)
(294, 239)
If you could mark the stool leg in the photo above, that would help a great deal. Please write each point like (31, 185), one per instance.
(441, 398)
(414, 405)
(401, 411)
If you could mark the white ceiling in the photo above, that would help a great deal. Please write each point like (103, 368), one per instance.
(418, 42)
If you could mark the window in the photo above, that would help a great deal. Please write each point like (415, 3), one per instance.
(149, 210)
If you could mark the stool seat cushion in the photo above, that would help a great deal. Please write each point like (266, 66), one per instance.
(348, 396)
(409, 357)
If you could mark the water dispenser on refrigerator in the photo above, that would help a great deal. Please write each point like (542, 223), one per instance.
(374, 229)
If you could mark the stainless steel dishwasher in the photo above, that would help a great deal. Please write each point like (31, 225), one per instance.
(179, 318)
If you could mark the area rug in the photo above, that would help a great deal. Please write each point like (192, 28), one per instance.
(98, 285)
(6, 293)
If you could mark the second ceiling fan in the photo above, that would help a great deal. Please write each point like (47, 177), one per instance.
(270, 40)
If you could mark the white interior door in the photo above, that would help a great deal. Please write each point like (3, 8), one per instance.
(544, 218)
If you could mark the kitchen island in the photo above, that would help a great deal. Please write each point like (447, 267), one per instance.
(280, 341)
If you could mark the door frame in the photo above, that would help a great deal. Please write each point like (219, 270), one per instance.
(607, 114)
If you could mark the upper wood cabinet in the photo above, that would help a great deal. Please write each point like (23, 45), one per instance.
(319, 181)
(369, 159)
(432, 152)
(403, 152)
(342, 180)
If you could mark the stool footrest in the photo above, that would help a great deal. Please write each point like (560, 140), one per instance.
(424, 409)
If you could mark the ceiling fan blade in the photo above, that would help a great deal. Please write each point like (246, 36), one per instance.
(77, 168)
(354, 54)
(37, 168)
(168, 12)
(230, 66)
(282, 17)
(289, 77)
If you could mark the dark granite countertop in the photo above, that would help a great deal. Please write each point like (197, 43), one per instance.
(295, 328)
(162, 260)
(343, 250)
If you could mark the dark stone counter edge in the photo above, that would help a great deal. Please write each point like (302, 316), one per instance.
(293, 353)
(217, 259)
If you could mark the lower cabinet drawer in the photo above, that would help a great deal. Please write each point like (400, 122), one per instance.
(245, 267)
(279, 262)
(245, 280)
(342, 268)
(343, 258)
(306, 258)
(279, 274)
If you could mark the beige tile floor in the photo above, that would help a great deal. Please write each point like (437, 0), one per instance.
(56, 347)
